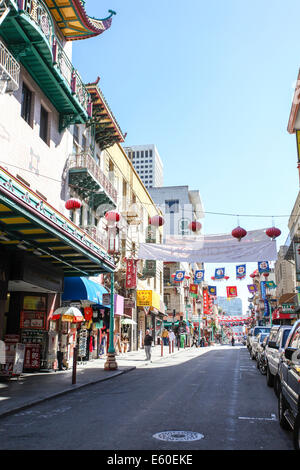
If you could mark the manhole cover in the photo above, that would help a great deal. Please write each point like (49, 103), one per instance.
(178, 436)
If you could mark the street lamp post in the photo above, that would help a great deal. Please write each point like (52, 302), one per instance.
(111, 363)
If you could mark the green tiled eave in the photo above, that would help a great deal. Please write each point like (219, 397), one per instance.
(31, 48)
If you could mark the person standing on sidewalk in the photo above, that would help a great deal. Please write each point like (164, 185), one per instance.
(148, 343)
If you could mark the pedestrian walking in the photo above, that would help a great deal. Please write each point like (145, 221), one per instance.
(232, 341)
(148, 343)
(165, 336)
(195, 339)
(171, 336)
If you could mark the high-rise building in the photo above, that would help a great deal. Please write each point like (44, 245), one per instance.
(147, 163)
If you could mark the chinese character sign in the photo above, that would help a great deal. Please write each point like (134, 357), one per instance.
(263, 267)
(205, 302)
(241, 271)
(131, 274)
(263, 289)
(231, 292)
(219, 273)
(194, 289)
(199, 276)
(179, 276)
(212, 290)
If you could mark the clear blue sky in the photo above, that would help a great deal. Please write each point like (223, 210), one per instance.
(211, 85)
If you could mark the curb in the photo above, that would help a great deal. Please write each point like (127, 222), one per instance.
(64, 392)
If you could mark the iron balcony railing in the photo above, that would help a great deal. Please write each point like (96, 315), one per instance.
(99, 237)
(9, 70)
(85, 161)
(39, 13)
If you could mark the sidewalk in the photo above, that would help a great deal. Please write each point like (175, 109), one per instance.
(33, 388)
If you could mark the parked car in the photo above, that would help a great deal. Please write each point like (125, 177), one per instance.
(289, 386)
(253, 337)
(256, 344)
(248, 338)
(261, 356)
(274, 352)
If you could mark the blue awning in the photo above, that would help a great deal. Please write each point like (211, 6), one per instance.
(81, 288)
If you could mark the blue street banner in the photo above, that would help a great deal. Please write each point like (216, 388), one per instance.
(219, 273)
(241, 271)
(179, 276)
(252, 288)
(263, 290)
(267, 309)
(212, 290)
(199, 276)
(263, 267)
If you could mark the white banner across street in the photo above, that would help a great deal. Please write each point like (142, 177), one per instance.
(256, 246)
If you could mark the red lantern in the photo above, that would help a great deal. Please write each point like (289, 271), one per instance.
(156, 220)
(195, 226)
(273, 232)
(266, 274)
(73, 204)
(253, 275)
(112, 216)
(239, 233)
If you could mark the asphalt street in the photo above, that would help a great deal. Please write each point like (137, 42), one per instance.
(220, 395)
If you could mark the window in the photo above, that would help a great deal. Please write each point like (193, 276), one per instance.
(76, 133)
(184, 227)
(295, 343)
(26, 104)
(44, 121)
(83, 142)
(172, 206)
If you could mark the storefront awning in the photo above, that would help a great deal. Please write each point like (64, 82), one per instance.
(80, 288)
(29, 223)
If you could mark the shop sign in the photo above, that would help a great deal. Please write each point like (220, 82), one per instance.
(131, 274)
(144, 298)
(32, 320)
(288, 308)
(129, 303)
(106, 299)
(128, 312)
(32, 357)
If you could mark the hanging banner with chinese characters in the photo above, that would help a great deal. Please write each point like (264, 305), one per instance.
(179, 276)
(131, 274)
(194, 290)
(212, 290)
(241, 271)
(252, 288)
(263, 289)
(219, 273)
(199, 276)
(263, 267)
(266, 308)
(205, 302)
(231, 292)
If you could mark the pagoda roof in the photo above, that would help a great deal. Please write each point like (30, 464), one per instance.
(74, 22)
(107, 129)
